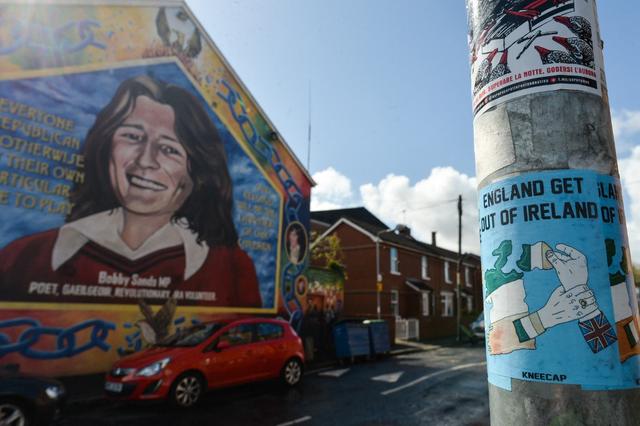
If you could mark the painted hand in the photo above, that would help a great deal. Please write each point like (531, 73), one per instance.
(504, 339)
(570, 265)
(564, 306)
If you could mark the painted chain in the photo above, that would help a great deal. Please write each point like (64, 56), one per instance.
(295, 199)
(67, 341)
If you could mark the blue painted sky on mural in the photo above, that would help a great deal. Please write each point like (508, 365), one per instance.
(390, 99)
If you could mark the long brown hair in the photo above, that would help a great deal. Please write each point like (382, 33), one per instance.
(207, 210)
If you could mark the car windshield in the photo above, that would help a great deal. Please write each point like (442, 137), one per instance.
(191, 336)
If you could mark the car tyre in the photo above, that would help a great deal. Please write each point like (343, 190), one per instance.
(291, 373)
(187, 390)
(14, 413)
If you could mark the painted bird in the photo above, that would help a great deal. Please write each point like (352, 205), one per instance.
(502, 68)
(578, 25)
(155, 327)
(555, 56)
(578, 48)
(485, 69)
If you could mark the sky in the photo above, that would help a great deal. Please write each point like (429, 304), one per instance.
(385, 85)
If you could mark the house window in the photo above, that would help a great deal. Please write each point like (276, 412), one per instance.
(447, 276)
(469, 304)
(394, 260)
(426, 305)
(395, 303)
(424, 268)
(467, 276)
(447, 304)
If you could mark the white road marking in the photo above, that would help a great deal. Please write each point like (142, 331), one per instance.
(429, 376)
(296, 421)
(334, 373)
(389, 378)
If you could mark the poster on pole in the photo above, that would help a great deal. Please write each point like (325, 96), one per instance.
(560, 299)
(532, 46)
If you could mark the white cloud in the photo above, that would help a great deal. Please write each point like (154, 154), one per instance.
(626, 129)
(625, 123)
(631, 183)
(333, 190)
(428, 205)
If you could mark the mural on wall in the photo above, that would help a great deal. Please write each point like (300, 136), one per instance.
(141, 188)
(559, 291)
(325, 293)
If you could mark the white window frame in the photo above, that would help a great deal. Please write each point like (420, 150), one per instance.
(446, 299)
(395, 303)
(424, 268)
(467, 276)
(394, 262)
(469, 304)
(426, 303)
(447, 275)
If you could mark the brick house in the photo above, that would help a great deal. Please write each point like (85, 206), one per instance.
(419, 279)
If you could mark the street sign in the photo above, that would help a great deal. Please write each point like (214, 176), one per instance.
(379, 287)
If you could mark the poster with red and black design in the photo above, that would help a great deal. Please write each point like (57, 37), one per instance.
(519, 47)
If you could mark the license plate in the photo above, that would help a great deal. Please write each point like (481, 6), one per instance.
(113, 387)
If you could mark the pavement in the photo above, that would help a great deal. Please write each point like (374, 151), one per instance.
(88, 389)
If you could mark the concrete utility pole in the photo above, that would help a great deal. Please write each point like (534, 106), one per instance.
(561, 314)
(458, 268)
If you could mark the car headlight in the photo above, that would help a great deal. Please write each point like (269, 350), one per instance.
(54, 392)
(155, 368)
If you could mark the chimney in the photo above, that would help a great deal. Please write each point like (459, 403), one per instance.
(404, 230)
(433, 238)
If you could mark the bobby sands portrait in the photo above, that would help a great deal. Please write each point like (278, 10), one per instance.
(151, 220)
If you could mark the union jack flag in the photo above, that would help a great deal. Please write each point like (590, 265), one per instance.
(598, 333)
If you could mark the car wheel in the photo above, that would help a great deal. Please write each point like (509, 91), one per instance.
(292, 372)
(13, 413)
(187, 390)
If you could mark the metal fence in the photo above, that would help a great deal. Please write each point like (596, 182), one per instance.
(407, 329)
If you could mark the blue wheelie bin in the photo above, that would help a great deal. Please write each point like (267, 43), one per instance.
(351, 339)
(378, 337)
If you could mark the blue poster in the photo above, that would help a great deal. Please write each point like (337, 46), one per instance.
(560, 300)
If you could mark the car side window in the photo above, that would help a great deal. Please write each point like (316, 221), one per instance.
(269, 331)
(238, 335)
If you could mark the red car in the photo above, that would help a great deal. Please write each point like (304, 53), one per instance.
(207, 356)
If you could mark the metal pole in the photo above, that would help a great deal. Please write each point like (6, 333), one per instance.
(458, 279)
(545, 152)
(378, 277)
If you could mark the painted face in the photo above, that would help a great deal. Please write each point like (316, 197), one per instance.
(149, 166)
(293, 238)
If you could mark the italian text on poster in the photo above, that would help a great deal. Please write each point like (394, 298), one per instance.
(560, 300)
(526, 46)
